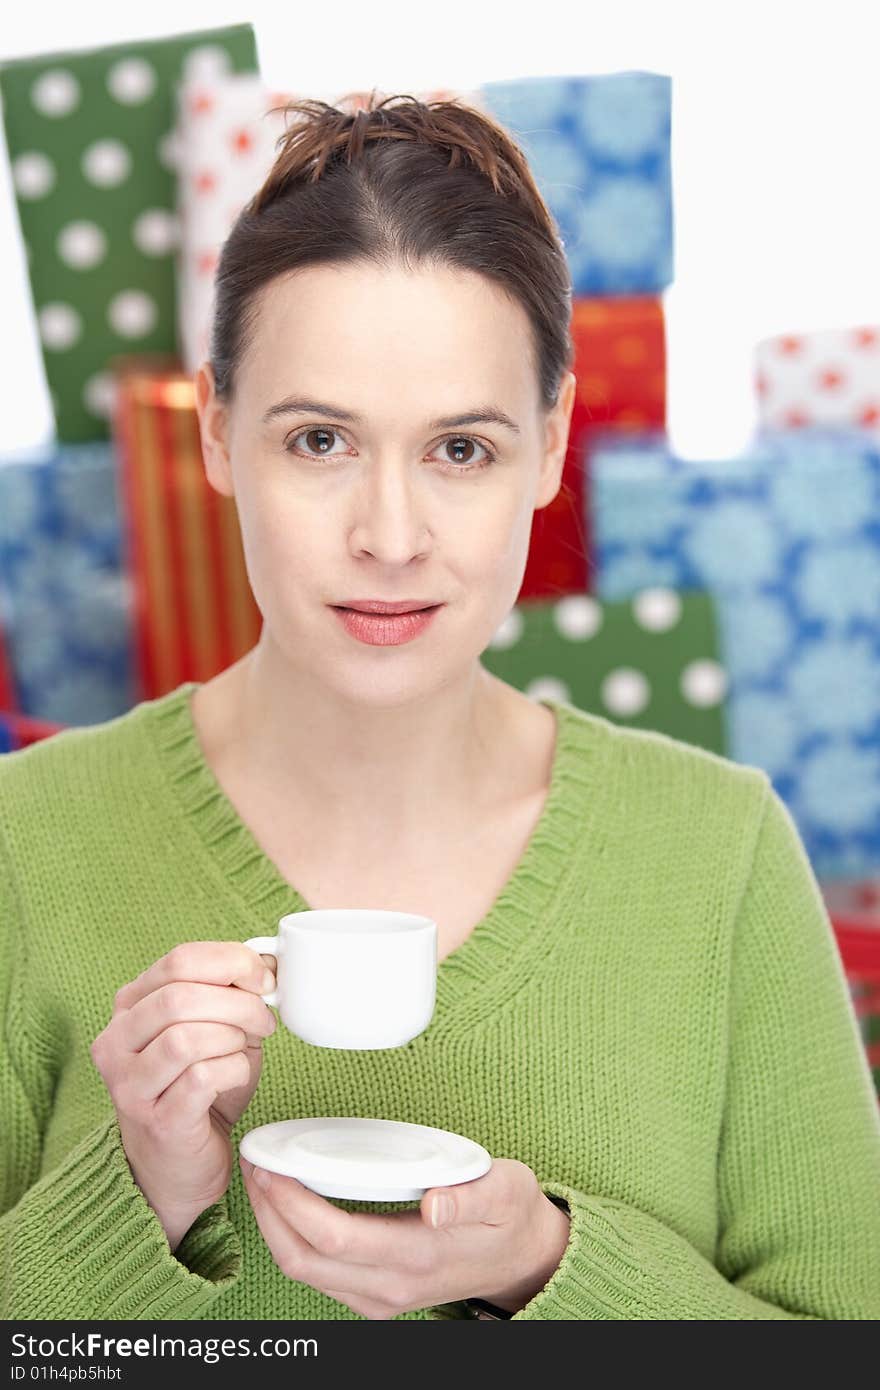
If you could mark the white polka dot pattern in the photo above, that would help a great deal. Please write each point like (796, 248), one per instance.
(106, 163)
(625, 692)
(99, 393)
(651, 660)
(93, 154)
(132, 313)
(60, 326)
(657, 610)
(156, 232)
(81, 245)
(56, 93)
(131, 81)
(33, 175)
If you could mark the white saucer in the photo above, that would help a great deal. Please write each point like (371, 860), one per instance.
(365, 1160)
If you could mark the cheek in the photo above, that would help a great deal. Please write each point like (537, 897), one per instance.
(284, 548)
(504, 537)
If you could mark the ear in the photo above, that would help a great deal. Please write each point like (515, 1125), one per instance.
(557, 425)
(213, 424)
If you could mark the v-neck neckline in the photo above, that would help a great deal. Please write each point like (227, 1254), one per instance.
(514, 931)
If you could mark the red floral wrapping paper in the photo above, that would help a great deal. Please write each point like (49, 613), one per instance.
(822, 378)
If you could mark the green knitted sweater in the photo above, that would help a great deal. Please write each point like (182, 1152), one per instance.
(652, 1016)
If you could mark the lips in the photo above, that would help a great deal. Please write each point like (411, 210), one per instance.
(380, 607)
(387, 629)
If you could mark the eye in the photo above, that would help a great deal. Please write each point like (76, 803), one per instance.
(317, 433)
(460, 443)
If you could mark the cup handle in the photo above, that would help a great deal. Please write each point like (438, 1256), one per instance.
(269, 944)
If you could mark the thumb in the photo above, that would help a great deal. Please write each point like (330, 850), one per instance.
(481, 1199)
(492, 1198)
(439, 1208)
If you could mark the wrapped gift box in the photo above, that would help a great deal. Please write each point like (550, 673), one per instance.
(620, 365)
(854, 907)
(853, 898)
(225, 146)
(599, 149)
(226, 138)
(8, 695)
(193, 610)
(652, 662)
(602, 165)
(787, 541)
(65, 595)
(829, 378)
(19, 731)
(88, 133)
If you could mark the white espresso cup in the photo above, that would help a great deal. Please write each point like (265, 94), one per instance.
(353, 977)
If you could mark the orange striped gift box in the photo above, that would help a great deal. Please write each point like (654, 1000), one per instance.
(194, 612)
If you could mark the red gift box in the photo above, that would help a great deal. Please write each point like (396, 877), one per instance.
(854, 908)
(22, 729)
(8, 699)
(620, 366)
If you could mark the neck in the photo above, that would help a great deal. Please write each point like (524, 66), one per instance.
(354, 767)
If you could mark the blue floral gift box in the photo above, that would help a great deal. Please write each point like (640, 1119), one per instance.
(599, 149)
(787, 540)
(64, 593)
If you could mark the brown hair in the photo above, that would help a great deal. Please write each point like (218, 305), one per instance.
(405, 182)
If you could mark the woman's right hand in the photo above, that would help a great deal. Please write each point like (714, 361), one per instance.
(181, 1058)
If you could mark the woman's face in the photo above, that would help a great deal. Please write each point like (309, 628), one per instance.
(387, 503)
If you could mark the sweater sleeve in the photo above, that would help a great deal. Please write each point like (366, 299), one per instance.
(81, 1241)
(798, 1170)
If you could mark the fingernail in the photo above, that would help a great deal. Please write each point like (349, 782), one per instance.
(441, 1210)
(268, 982)
(261, 1177)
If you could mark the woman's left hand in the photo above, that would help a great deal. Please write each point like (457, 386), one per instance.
(502, 1241)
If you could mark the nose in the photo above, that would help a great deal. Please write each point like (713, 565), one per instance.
(389, 511)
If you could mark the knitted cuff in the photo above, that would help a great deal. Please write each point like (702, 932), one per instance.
(567, 1293)
(88, 1245)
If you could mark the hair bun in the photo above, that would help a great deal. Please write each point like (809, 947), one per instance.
(322, 134)
(396, 181)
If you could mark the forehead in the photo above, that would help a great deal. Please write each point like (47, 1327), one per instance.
(425, 332)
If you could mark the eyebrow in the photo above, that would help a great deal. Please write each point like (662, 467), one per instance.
(298, 405)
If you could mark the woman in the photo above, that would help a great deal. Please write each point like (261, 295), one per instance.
(640, 1009)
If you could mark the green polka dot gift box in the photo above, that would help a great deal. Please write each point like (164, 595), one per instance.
(92, 150)
(651, 662)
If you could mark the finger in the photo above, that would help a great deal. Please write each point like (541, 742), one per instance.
(299, 1260)
(207, 962)
(397, 1240)
(152, 1071)
(195, 1090)
(184, 1001)
(488, 1199)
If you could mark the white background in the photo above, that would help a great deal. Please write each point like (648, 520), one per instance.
(776, 114)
